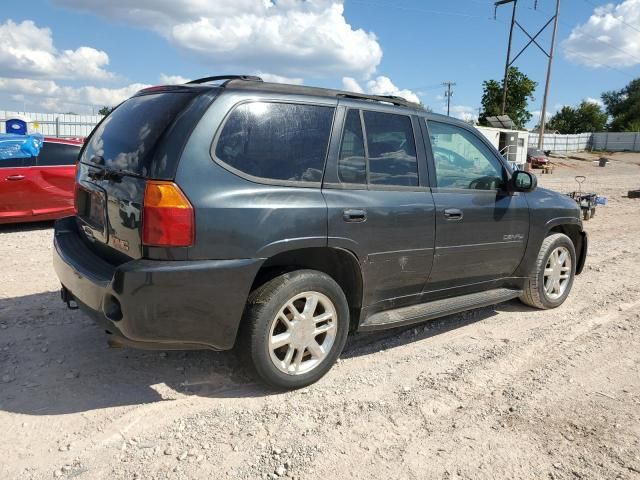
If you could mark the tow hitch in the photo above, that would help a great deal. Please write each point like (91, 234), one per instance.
(67, 298)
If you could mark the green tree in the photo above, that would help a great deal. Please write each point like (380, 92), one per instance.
(586, 117)
(623, 106)
(519, 93)
(105, 110)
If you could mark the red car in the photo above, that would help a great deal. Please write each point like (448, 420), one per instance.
(42, 187)
(537, 158)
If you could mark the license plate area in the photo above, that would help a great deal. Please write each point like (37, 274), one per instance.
(92, 211)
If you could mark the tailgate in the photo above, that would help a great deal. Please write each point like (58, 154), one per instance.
(141, 139)
(110, 210)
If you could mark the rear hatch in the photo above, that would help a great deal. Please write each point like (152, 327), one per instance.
(141, 139)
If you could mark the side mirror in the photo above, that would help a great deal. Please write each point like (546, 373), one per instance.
(522, 181)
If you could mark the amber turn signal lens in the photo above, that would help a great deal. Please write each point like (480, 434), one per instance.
(164, 194)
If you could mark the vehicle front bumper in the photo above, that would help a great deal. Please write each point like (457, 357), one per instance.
(160, 304)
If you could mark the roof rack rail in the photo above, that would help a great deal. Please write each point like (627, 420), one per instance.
(393, 99)
(228, 78)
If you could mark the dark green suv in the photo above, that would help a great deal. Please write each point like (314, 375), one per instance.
(278, 218)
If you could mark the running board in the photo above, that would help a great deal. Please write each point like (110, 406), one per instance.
(439, 308)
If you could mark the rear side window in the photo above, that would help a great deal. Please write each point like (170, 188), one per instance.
(276, 141)
(392, 149)
(58, 154)
(125, 140)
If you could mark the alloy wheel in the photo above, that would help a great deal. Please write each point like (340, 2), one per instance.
(302, 333)
(557, 273)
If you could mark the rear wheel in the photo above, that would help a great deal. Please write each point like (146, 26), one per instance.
(551, 280)
(297, 325)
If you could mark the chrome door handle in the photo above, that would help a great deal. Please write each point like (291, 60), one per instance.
(453, 214)
(354, 216)
(13, 178)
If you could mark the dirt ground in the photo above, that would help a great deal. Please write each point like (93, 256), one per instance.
(503, 392)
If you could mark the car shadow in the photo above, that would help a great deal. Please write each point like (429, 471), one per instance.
(371, 342)
(56, 361)
(26, 226)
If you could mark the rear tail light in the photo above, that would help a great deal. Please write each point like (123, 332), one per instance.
(167, 217)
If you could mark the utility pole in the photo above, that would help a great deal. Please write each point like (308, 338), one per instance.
(507, 64)
(448, 93)
(532, 40)
(543, 120)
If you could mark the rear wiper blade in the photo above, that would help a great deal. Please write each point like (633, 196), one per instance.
(111, 174)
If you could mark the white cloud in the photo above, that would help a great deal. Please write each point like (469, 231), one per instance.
(463, 112)
(28, 50)
(597, 101)
(605, 39)
(51, 96)
(351, 85)
(379, 86)
(291, 37)
(270, 77)
(172, 79)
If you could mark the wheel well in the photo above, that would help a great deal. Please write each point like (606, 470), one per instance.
(341, 265)
(573, 232)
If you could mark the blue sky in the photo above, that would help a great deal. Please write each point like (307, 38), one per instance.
(79, 53)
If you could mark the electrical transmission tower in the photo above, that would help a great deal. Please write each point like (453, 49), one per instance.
(532, 39)
(448, 94)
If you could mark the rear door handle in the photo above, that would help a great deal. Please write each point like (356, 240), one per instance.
(13, 178)
(354, 216)
(453, 214)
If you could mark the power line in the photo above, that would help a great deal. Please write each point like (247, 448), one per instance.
(416, 9)
(617, 18)
(574, 52)
(597, 39)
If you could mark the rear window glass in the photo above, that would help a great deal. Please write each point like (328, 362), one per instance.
(125, 140)
(58, 154)
(392, 149)
(277, 141)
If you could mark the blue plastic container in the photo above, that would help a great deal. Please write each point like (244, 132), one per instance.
(16, 126)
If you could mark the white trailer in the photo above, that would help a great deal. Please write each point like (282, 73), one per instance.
(512, 144)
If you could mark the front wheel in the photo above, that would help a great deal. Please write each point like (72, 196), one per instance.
(297, 325)
(551, 280)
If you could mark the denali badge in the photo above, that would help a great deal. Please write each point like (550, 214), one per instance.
(514, 236)
(121, 244)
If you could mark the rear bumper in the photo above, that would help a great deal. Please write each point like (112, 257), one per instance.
(161, 304)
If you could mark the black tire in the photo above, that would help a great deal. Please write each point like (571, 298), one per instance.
(265, 303)
(585, 214)
(593, 213)
(534, 293)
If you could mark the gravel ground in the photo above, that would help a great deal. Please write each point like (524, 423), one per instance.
(502, 392)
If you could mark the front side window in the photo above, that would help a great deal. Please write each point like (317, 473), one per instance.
(277, 141)
(462, 160)
(352, 163)
(392, 149)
